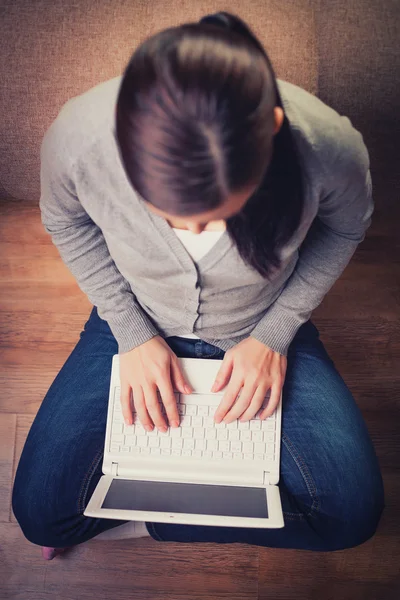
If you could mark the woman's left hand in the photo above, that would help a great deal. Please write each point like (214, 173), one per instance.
(252, 369)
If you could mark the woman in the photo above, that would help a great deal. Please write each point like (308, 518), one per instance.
(205, 213)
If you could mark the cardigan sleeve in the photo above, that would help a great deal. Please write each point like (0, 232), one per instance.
(83, 249)
(343, 217)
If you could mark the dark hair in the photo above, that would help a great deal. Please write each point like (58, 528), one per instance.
(194, 123)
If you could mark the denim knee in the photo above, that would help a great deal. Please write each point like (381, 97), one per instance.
(357, 524)
(28, 505)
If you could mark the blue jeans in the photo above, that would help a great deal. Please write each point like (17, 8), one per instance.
(331, 486)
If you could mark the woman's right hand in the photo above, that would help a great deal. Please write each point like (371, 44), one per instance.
(150, 367)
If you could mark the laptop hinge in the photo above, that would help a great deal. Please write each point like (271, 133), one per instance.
(114, 468)
(266, 478)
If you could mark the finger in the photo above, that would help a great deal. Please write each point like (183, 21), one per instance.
(169, 400)
(153, 406)
(141, 410)
(242, 403)
(256, 403)
(230, 396)
(273, 400)
(126, 402)
(177, 378)
(223, 374)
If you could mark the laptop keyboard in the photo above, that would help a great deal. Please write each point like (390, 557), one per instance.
(198, 435)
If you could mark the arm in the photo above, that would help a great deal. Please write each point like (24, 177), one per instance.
(343, 217)
(83, 249)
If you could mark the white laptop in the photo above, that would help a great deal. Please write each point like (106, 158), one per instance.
(200, 473)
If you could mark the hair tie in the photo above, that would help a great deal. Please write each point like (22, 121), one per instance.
(216, 19)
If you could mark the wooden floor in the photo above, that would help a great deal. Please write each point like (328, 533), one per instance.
(41, 314)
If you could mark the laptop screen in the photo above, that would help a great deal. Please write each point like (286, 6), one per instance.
(190, 498)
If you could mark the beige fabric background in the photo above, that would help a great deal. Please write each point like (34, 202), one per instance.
(344, 51)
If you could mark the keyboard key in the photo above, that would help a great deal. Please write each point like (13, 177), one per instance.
(125, 450)
(114, 448)
(257, 436)
(236, 447)
(145, 450)
(197, 421)
(191, 409)
(244, 425)
(228, 455)
(119, 438)
(234, 434)
(175, 432)
(211, 434)
(141, 441)
(208, 422)
(233, 425)
(224, 446)
(202, 411)
(188, 444)
(154, 442)
(200, 444)
(248, 447)
(238, 456)
(155, 451)
(186, 421)
(165, 451)
(186, 453)
(177, 443)
(187, 432)
(165, 442)
(259, 447)
(217, 454)
(212, 445)
(117, 428)
(255, 425)
(222, 434)
(197, 453)
(245, 435)
(198, 433)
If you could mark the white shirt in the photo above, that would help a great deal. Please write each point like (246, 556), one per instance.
(197, 245)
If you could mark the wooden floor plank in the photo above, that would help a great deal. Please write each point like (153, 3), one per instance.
(24, 422)
(141, 569)
(8, 429)
(360, 573)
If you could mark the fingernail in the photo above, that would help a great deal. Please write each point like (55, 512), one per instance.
(188, 390)
(128, 422)
(148, 427)
(175, 424)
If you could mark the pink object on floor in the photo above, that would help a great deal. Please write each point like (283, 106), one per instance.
(50, 553)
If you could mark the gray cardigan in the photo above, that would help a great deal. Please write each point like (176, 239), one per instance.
(133, 267)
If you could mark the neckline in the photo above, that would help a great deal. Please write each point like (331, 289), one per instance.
(218, 250)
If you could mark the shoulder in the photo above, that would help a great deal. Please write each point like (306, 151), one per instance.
(83, 119)
(327, 140)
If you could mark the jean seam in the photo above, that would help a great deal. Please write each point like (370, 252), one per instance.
(305, 473)
(154, 532)
(87, 479)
